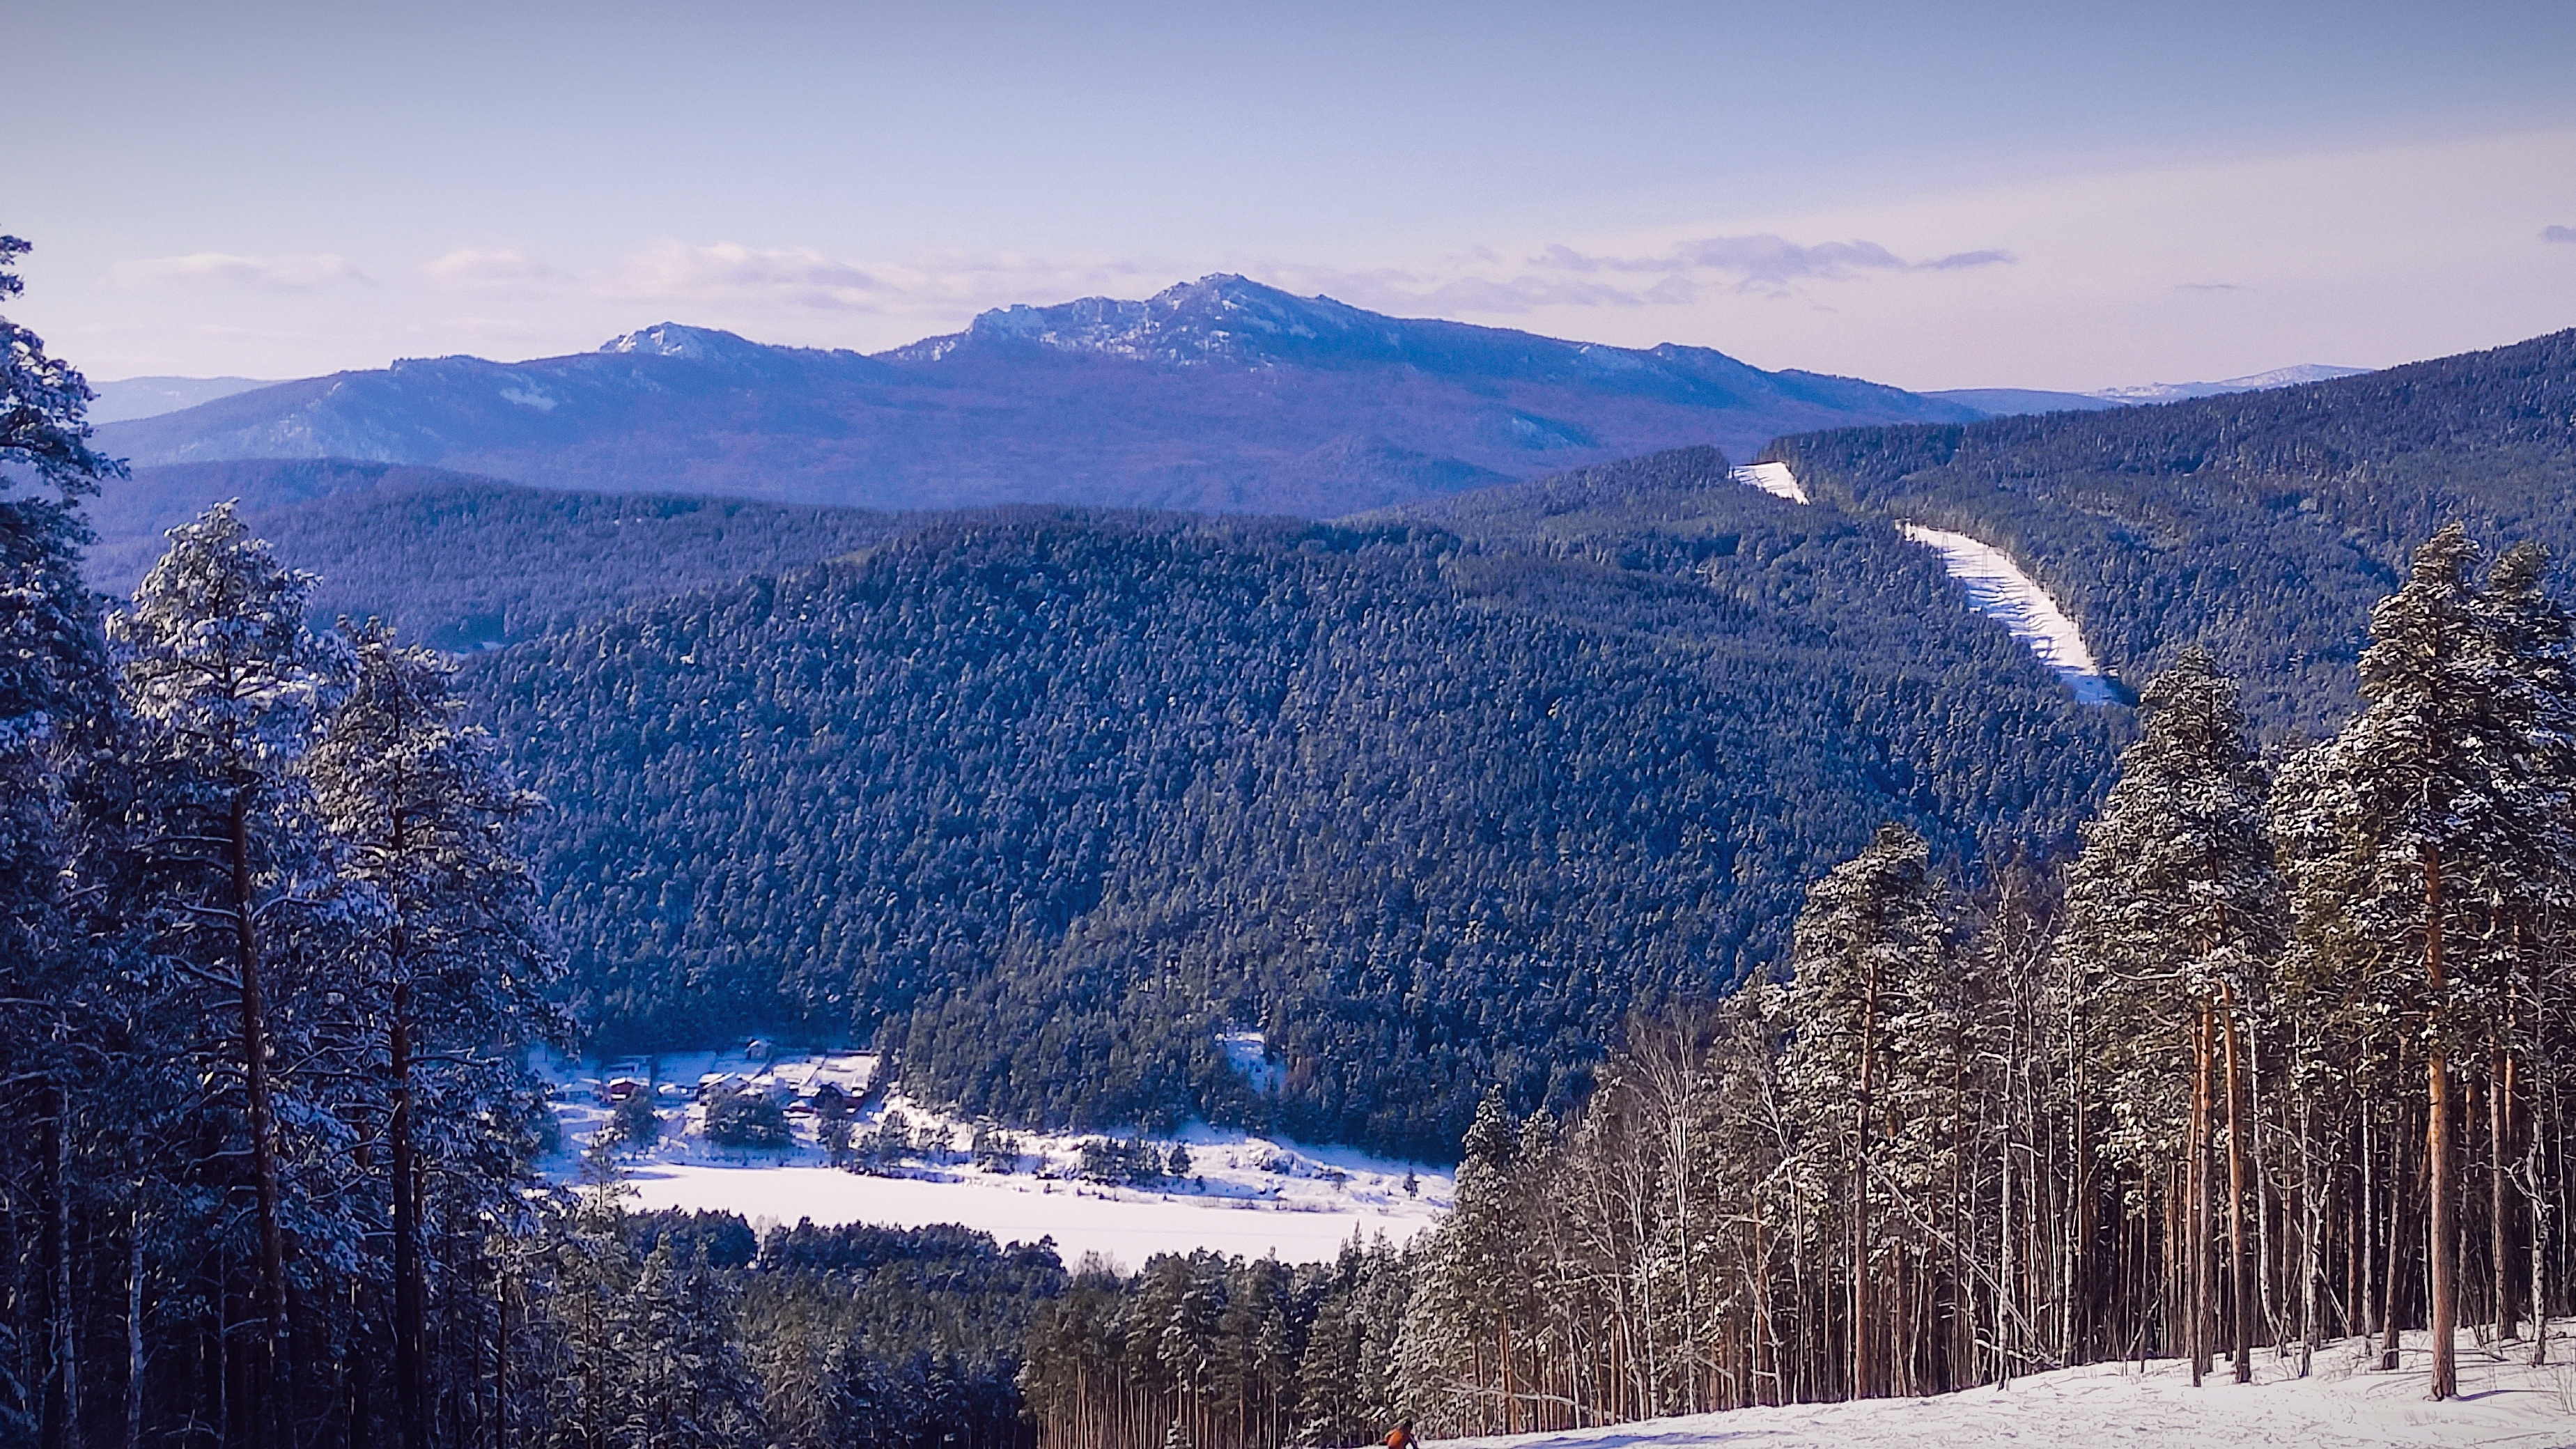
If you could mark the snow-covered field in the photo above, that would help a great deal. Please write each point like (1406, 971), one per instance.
(2342, 1405)
(1237, 1194)
(1999, 589)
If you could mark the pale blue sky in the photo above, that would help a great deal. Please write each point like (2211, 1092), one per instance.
(2121, 193)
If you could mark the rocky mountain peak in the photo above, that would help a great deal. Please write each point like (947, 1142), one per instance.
(671, 339)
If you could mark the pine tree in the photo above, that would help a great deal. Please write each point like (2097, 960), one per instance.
(55, 714)
(2535, 639)
(229, 690)
(685, 1384)
(2174, 912)
(1870, 961)
(454, 956)
(2421, 820)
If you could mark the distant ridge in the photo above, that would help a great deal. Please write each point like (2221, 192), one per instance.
(1220, 394)
(2155, 392)
(148, 397)
(2021, 401)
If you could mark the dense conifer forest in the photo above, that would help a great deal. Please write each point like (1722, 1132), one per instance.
(1096, 787)
(2262, 525)
(2281, 1055)
(2276, 1048)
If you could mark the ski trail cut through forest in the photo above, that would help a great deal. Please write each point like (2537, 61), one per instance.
(1774, 479)
(1998, 589)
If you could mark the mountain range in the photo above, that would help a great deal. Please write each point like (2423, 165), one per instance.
(1044, 798)
(150, 397)
(2016, 401)
(1217, 395)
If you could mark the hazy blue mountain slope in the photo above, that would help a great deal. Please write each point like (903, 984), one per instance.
(130, 514)
(1220, 395)
(145, 397)
(2264, 524)
(462, 562)
(2004, 402)
(1047, 800)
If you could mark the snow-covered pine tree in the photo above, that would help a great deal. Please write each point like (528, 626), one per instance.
(1872, 950)
(54, 699)
(2173, 916)
(454, 959)
(52, 664)
(685, 1385)
(229, 690)
(2534, 640)
(2417, 822)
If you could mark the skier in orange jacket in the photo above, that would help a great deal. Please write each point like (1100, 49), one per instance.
(1403, 1438)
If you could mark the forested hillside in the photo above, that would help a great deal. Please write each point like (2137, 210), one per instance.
(1050, 800)
(2262, 524)
(2279, 1057)
(461, 562)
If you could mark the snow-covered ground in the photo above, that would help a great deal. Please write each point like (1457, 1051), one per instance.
(1774, 479)
(2343, 1405)
(1999, 589)
(1238, 1193)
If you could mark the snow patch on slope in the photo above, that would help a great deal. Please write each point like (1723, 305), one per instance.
(1243, 1194)
(1999, 589)
(2344, 1404)
(1774, 479)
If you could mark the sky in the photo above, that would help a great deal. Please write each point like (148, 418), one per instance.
(2062, 195)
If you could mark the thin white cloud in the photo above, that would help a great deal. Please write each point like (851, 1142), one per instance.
(1681, 274)
(1763, 263)
(802, 278)
(299, 272)
(1962, 261)
(488, 269)
(797, 276)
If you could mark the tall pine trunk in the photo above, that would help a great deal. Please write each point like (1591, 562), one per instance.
(2197, 1234)
(2437, 1148)
(263, 1129)
(2508, 1320)
(2240, 1267)
(1860, 1372)
(66, 1315)
(406, 1205)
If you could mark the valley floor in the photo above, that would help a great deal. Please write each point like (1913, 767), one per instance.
(1242, 1194)
(2343, 1404)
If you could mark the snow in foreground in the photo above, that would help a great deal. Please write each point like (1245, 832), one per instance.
(1242, 1194)
(2342, 1405)
(1998, 589)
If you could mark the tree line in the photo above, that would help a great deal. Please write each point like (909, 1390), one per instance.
(270, 964)
(2280, 1055)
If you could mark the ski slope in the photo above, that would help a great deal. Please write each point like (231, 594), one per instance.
(2342, 1405)
(1998, 589)
(1774, 479)
(1242, 1194)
